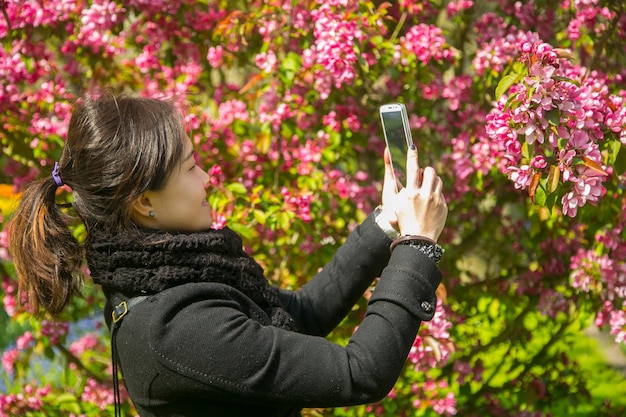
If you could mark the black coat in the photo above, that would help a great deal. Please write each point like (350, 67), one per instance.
(205, 349)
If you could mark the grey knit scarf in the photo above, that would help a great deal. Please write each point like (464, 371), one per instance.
(160, 260)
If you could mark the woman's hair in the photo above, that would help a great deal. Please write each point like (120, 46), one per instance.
(117, 148)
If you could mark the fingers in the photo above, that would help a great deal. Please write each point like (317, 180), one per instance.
(421, 207)
(430, 180)
(412, 168)
(390, 184)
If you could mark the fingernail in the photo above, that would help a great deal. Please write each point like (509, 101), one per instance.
(412, 146)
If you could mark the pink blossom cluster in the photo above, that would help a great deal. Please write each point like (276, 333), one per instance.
(197, 19)
(267, 61)
(471, 152)
(590, 17)
(83, 344)
(156, 6)
(531, 15)
(605, 275)
(560, 122)
(552, 302)
(30, 64)
(23, 14)
(496, 53)
(216, 175)
(154, 38)
(96, 24)
(16, 67)
(11, 355)
(29, 400)
(252, 163)
(428, 395)
(433, 345)
(54, 123)
(307, 156)
(10, 301)
(466, 372)
(275, 110)
(427, 43)
(300, 205)
(55, 331)
(215, 56)
(357, 188)
(615, 318)
(4, 243)
(457, 90)
(99, 394)
(332, 57)
(423, 10)
(229, 111)
(38, 113)
(219, 221)
(490, 27)
(457, 6)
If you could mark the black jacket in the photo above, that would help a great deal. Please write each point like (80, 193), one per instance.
(205, 349)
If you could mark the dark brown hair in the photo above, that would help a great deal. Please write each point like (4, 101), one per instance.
(117, 148)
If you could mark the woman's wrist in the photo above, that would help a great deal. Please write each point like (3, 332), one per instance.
(423, 244)
(383, 222)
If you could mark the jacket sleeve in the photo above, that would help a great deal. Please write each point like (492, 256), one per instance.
(320, 305)
(204, 342)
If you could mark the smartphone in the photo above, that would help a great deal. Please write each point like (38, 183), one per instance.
(398, 138)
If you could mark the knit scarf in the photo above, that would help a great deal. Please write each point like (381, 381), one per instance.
(161, 260)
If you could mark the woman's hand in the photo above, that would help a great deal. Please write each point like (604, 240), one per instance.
(390, 187)
(419, 208)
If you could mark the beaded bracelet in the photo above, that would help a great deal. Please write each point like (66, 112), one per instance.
(423, 244)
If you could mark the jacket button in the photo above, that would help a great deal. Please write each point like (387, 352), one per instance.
(426, 306)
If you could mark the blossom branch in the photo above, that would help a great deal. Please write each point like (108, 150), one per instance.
(71, 358)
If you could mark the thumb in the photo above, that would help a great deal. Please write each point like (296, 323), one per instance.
(391, 185)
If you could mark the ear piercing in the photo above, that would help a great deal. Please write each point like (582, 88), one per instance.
(152, 214)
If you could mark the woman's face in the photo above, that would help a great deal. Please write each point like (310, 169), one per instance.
(181, 206)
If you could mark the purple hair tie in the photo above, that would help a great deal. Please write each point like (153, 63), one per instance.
(55, 175)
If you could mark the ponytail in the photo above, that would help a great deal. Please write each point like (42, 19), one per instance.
(46, 255)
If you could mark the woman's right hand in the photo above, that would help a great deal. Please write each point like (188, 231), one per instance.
(420, 207)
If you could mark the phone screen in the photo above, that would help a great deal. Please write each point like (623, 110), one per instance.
(395, 127)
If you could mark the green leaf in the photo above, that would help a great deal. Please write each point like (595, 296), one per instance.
(620, 159)
(554, 177)
(283, 220)
(525, 151)
(552, 200)
(260, 216)
(245, 231)
(71, 407)
(506, 83)
(237, 188)
(541, 196)
(494, 309)
(510, 100)
(613, 147)
(64, 398)
(292, 62)
(530, 322)
(565, 79)
(483, 304)
(554, 117)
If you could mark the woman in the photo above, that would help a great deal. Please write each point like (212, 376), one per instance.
(212, 337)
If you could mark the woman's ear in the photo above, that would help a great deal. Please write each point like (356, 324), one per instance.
(142, 209)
